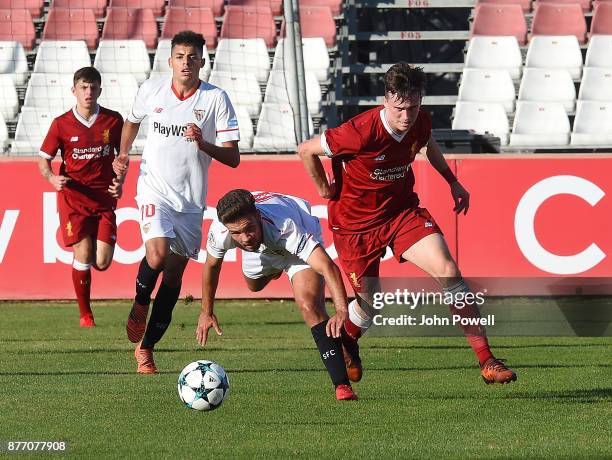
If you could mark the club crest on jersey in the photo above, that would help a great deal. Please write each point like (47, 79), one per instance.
(199, 114)
(414, 148)
(69, 229)
(354, 280)
(106, 136)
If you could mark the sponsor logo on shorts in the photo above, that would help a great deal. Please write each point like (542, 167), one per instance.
(106, 136)
(233, 123)
(146, 227)
(428, 224)
(69, 229)
(211, 239)
(354, 279)
(303, 242)
(199, 114)
(74, 138)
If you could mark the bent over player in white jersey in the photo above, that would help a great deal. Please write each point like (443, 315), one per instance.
(186, 118)
(278, 233)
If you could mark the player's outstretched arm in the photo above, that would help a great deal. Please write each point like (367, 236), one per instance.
(460, 195)
(128, 134)
(210, 281)
(320, 262)
(58, 182)
(309, 152)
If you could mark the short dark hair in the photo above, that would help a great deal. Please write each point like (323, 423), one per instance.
(405, 81)
(191, 38)
(235, 205)
(88, 75)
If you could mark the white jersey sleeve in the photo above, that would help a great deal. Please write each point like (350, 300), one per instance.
(219, 240)
(297, 240)
(226, 120)
(140, 108)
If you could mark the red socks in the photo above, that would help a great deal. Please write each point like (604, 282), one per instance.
(81, 279)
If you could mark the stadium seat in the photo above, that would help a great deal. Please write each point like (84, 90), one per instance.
(215, 5)
(118, 91)
(156, 6)
(9, 102)
(17, 25)
(246, 128)
(596, 84)
(599, 52)
(242, 89)
(502, 52)
(123, 56)
(98, 6)
(243, 56)
(557, 19)
(71, 24)
(315, 56)
(277, 90)
(601, 24)
(334, 5)
(4, 137)
(555, 52)
(548, 85)
(495, 20)
(61, 56)
(141, 136)
(540, 124)
(199, 19)
(33, 6)
(482, 118)
(524, 4)
(50, 91)
(584, 4)
(275, 129)
(317, 21)
(249, 22)
(593, 124)
(13, 61)
(32, 128)
(131, 24)
(160, 62)
(483, 85)
(275, 5)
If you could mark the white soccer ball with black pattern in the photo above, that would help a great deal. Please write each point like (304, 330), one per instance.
(203, 385)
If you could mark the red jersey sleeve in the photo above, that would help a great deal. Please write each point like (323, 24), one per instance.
(343, 140)
(117, 133)
(52, 142)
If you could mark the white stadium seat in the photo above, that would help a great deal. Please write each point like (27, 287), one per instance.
(118, 91)
(555, 52)
(482, 118)
(13, 61)
(160, 62)
(315, 54)
(32, 128)
(51, 91)
(275, 128)
(593, 124)
(243, 56)
(141, 137)
(61, 56)
(242, 89)
(548, 85)
(540, 124)
(596, 84)
(246, 128)
(495, 52)
(9, 102)
(3, 134)
(123, 57)
(487, 85)
(276, 90)
(599, 52)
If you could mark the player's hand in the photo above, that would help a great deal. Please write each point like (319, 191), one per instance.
(331, 192)
(461, 198)
(58, 182)
(121, 164)
(335, 323)
(205, 322)
(116, 188)
(193, 133)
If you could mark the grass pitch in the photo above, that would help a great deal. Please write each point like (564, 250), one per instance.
(420, 397)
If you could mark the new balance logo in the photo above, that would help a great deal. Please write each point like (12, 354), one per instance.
(74, 138)
(158, 110)
(380, 157)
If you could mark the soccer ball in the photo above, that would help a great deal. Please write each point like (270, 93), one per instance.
(203, 385)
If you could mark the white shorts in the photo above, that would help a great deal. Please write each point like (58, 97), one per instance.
(158, 220)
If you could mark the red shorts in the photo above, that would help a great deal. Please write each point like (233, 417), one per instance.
(78, 221)
(360, 253)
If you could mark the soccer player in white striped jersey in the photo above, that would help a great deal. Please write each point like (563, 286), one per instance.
(190, 123)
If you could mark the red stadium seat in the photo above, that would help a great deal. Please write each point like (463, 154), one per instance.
(157, 6)
(197, 19)
(525, 4)
(17, 25)
(500, 20)
(215, 5)
(249, 22)
(334, 5)
(71, 24)
(131, 24)
(557, 19)
(275, 5)
(602, 19)
(98, 6)
(34, 6)
(585, 4)
(317, 21)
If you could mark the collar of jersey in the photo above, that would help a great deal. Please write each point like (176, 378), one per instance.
(393, 134)
(184, 98)
(89, 123)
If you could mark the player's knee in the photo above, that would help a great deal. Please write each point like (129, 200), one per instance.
(102, 265)
(310, 309)
(156, 260)
(255, 285)
(449, 270)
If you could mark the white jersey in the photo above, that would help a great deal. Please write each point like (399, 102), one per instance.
(288, 228)
(173, 170)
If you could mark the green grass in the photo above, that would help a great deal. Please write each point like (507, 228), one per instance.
(420, 397)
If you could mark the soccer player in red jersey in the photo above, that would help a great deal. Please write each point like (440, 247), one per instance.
(372, 206)
(87, 137)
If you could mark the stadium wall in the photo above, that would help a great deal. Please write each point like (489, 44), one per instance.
(531, 217)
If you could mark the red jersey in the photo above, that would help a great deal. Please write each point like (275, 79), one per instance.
(375, 177)
(88, 150)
